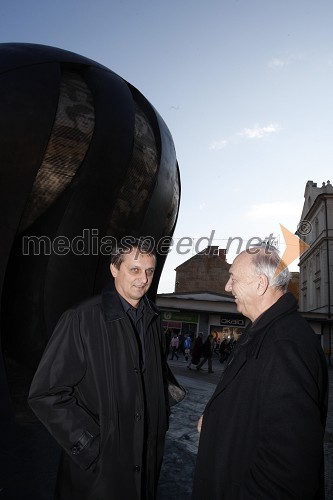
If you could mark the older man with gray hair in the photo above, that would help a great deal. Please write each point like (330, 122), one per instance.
(270, 406)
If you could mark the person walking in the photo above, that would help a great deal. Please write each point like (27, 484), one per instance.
(196, 352)
(174, 345)
(223, 354)
(187, 347)
(207, 353)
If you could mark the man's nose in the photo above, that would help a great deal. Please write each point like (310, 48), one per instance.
(228, 286)
(144, 277)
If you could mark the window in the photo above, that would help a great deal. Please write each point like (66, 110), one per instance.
(316, 228)
(317, 262)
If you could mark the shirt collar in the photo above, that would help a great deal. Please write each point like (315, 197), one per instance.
(127, 306)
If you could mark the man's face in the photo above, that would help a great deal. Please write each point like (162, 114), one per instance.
(133, 278)
(243, 284)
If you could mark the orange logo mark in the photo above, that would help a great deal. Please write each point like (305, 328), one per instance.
(295, 247)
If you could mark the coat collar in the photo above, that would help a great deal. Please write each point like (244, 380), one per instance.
(285, 305)
(112, 307)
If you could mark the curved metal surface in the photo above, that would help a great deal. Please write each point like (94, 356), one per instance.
(81, 152)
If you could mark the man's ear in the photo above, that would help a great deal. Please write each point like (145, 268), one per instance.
(262, 284)
(113, 270)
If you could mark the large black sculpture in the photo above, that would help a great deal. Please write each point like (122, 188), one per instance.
(83, 155)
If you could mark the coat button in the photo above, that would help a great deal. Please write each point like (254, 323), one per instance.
(137, 416)
(137, 468)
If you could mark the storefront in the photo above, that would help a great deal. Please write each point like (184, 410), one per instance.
(190, 313)
(227, 325)
(183, 322)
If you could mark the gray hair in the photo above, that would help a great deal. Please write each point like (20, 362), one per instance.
(266, 260)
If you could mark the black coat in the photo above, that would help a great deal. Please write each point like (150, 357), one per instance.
(207, 348)
(197, 351)
(91, 395)
(263, 428)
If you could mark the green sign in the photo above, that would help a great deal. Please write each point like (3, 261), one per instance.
(186, 317)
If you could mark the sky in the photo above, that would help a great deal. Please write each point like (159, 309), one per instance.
(244, 86)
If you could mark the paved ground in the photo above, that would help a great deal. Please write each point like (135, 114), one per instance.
(35, 454)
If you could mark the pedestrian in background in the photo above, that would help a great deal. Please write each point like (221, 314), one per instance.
(187, 347)
(174, 344)
(181, 340)
(207, 353)
(223, 354)
(196, 351)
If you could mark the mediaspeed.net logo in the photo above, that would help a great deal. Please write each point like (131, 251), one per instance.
(90, 242)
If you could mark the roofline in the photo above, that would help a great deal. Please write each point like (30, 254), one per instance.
(316, 202)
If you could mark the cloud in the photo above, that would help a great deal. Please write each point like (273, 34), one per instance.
(255, 132)
(216, 145)
(277, 63)
(259, 132)
(274, 209)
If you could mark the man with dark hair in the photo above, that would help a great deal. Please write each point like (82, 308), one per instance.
(101, 389)
(270, 406)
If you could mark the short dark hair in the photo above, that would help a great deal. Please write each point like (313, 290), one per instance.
(127, 244)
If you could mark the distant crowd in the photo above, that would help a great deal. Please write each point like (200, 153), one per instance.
(199, 349)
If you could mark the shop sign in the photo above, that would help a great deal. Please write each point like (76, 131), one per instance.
(234, 320)
(180, 316)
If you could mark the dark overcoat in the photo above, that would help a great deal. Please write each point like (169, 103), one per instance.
(262, 431)
(207, 348)
(109, 417)
(197, 351)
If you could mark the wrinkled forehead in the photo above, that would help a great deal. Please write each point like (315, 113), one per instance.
(242, 265)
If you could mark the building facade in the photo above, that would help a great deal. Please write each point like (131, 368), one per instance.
(206, 271)
(200, 302)
(316, 264)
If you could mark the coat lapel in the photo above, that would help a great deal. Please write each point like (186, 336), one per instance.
(111, 305)
(248, 348)
(233, 368)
